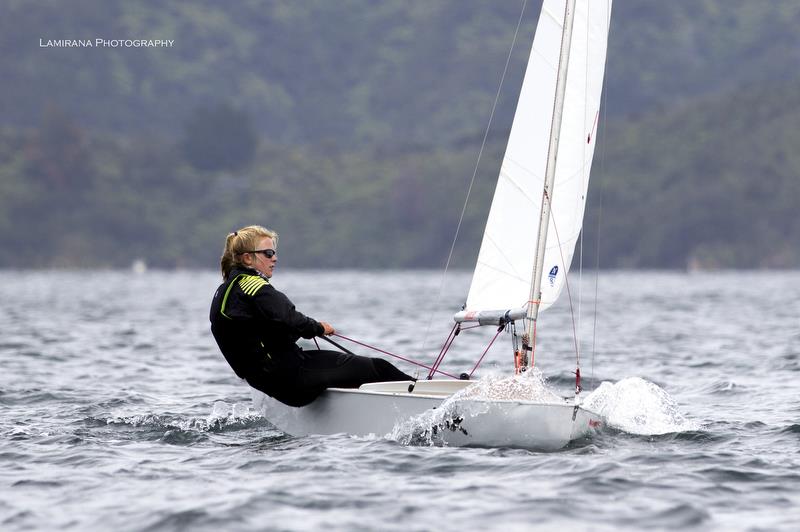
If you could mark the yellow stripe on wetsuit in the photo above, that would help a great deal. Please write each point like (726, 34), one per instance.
(250, 284)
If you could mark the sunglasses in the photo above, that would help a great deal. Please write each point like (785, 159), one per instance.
(269, 253)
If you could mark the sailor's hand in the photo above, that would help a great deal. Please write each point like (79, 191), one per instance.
(329, 330)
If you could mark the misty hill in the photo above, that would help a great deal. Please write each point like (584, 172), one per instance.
(354, 127)
(360, 71)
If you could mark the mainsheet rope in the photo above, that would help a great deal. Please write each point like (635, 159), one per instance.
(414, 362)
(432, 369)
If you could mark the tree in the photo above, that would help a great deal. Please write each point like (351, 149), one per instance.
(219, 137)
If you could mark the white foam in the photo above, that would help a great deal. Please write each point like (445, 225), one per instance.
(637, 406)
(528, 386)
(222, 415)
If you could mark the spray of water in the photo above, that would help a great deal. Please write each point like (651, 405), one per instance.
(429, 427)
(637, 406)
(528, 386)
(632, 405)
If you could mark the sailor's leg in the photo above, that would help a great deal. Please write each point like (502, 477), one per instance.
(388, 371)
(332, 369)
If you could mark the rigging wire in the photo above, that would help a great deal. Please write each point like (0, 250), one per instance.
(547, 199)
(474, 173)
(446, 347)
(597, 267)
(478, 363)
(583, 176)
(566, 281)
(600, 202)
(575, 327)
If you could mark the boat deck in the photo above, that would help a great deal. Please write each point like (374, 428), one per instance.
(441, 388)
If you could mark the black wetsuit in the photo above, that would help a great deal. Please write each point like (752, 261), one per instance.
(256, 328)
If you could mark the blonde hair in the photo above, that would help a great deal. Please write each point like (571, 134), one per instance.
(240, 242)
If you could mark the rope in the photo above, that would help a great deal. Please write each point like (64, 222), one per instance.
(475, 172)
(446, 347)
(362, 344)
(442, 351)
(499, 330)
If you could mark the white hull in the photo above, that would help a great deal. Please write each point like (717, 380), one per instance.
(383, 409)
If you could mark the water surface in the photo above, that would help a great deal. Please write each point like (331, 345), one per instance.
(120, 413)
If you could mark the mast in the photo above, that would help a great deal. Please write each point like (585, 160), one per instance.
(550, 173)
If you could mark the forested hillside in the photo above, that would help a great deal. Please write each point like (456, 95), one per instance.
(353, 128)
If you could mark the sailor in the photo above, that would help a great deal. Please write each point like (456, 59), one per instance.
(256, 328)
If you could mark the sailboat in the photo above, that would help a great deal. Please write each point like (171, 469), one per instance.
(533, 225)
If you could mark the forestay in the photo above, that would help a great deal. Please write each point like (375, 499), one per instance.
(502, 278)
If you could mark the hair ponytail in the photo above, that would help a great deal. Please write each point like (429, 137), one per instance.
(241, 241)
(226, 262)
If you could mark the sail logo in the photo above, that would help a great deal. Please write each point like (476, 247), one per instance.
(552, 275)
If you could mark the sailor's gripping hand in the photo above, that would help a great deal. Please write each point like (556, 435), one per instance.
(329, 330)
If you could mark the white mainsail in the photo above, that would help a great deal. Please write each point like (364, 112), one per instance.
(502, 278)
